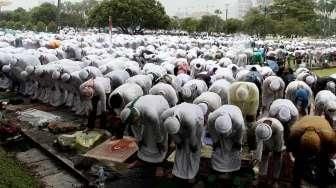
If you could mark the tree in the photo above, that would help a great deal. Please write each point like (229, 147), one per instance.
(233, 25)
(52, 27)
(325, 9)
(254, 22)
(44, 13)
(301, 10)
(291, 27)
(189, 24)
(300, 13)
(218, 12)
(211, 24)
(76, 14)
(40, 26)
(72, 20)
(20, 14)
(130, 16)
(175, 23)
(29, 26)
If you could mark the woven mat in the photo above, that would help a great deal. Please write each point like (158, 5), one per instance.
(114, 150)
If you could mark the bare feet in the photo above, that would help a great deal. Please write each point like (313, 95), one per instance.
(159, 172)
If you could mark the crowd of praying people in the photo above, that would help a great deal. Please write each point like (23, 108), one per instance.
(234, 94)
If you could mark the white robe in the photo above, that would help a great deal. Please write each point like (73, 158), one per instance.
(180, 80)
(221, 87)
(167, 91)
(150, 132)
(275, 144)
(268, 96)
(191, 119)
(280, 103)
(192, 89)
(321, 100)
(128, 92)
(213, 100)
(144, 81)
(226, 158)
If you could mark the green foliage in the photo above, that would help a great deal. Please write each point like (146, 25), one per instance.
(75, 14)
(44, 13)
(174, 23)
(18, 25)
(211, 23)
(255, 22)
(233, 25)
(325, 72)
(284, 17)
(130, 16)
(40, 26)
(295, 17)
(190, 25)
(72, 20)
(13, 174)
(298, 9)
(29, 26)
(52, 27)
(19, 15)
(3, 23)
(326, 8)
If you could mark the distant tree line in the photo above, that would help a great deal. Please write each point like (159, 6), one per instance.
(44, 17)
(284, 17)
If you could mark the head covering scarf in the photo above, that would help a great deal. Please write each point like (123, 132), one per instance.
(302, 95)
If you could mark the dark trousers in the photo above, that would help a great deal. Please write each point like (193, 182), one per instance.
(93, 115)
(322, 164)
(182, 183)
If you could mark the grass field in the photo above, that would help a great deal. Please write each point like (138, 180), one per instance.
(13, 174)
(325, 72)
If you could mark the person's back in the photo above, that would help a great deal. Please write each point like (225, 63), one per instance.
(312, 137)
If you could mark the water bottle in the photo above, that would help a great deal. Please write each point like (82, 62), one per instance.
(101, 178)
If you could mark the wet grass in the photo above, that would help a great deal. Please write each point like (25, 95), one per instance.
(325, 72)
(13, 174)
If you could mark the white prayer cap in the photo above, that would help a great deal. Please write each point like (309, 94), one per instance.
(83, 74)
(263, 132)
(275, 85)
(24, 75)
(242, 93)
(284, 114)
(65, 77)
(56, 75)
(310, 80)
(172, 125)
(30, 69)
(6, 68)
(223, 124)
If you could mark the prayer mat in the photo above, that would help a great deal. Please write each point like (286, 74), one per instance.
(114, 150)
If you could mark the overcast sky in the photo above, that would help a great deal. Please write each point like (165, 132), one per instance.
(172, 6)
